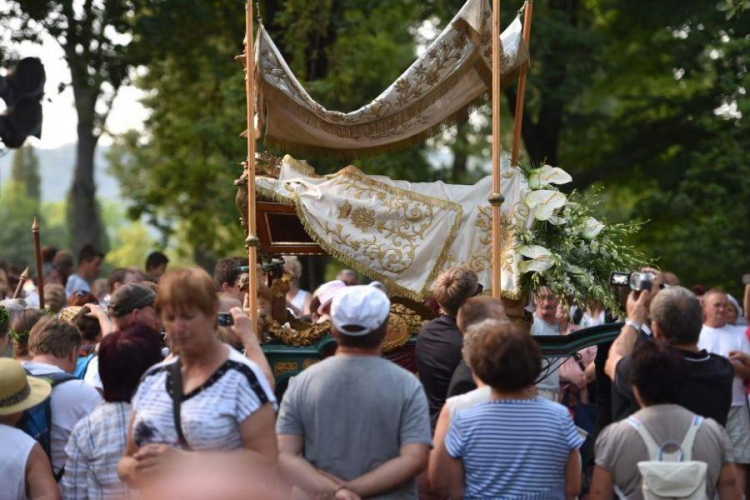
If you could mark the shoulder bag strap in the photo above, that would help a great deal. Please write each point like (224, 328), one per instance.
(176, 373)
(687, 443)
(653, 448)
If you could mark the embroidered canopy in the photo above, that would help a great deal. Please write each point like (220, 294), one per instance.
(438, 89)
(403, 233)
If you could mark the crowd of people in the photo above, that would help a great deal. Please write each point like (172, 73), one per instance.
(129, 387)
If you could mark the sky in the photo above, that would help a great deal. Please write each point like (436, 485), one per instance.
(60, 121)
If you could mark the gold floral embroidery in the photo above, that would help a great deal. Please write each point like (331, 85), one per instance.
(404, 113)
(363, 218)
(281, 367)
(401, 223)
(345, 209)
(481, 260)
(393, 249)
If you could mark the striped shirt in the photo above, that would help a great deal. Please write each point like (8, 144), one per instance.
(211, 414)
(514, 448)
(95, 447)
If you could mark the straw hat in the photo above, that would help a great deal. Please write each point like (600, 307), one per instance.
(19, 392)
(70, 312)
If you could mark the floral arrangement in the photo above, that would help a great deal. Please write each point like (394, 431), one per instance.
(566, 248)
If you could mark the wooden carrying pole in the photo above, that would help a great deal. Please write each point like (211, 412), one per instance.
(496, 199)
(21, 280)
(39, 272)
(252, 240)
(521, 93)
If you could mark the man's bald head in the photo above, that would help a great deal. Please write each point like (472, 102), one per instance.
(477, 309)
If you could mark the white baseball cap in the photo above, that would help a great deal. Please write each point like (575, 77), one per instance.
(359, 310)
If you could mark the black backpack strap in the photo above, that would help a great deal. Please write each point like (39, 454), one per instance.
(57, 378)
(59, 474)
(176, 372)
(54, 378)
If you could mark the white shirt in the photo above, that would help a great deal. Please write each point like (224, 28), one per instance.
(210, 414)
(70, 402)
(462, 402)
(14, 454)
(91, 376)
(721, 341)
(552, 382)
(299, 300)
(589, 321)
(94, 450)
(76, 283)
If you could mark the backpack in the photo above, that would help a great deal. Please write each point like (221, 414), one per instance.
(82, 364)
(683, 478)
(37, 420)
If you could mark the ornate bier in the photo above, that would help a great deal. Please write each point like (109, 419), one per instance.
(481, 226)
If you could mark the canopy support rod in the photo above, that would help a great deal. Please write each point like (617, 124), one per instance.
(39, 266)
(496, 199)
(252, 240)
(521, 93)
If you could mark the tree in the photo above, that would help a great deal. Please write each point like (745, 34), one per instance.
(183, 168)
(25, 171)
(667, 129)
(649, 106)
(17, 211)
(94, 37)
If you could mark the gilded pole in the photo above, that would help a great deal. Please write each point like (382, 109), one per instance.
(496, 199)
(252, 240)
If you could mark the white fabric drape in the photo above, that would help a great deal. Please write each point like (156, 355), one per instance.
(437, 90)
(403, 233)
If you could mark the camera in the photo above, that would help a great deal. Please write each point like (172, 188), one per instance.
(637, 281)
(224, 319)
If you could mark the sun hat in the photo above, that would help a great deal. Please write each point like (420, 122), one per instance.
(19, 392)
(129, 297)
(363, 307)
(70, 312)
(327, 292)
(736, 305)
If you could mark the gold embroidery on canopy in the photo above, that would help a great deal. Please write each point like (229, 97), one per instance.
(363, 218)
(418, 215)
(345, 209)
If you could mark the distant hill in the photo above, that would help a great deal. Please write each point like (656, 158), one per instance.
(56, 170)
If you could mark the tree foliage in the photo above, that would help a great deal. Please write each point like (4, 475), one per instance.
(17, 212)
(643, 98)
(94, 36)
(25, 170)
(672, 132)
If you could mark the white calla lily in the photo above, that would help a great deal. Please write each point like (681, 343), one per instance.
(548, 175)
(592, 228)
(544, 202)
(541, 259)
(557, 221)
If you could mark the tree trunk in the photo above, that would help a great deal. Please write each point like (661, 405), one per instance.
(205, 259)
(313, 272)
(84, 211)
(460, 153)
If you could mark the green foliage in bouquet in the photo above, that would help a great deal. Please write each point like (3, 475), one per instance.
(4, 319)
(566, 248)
